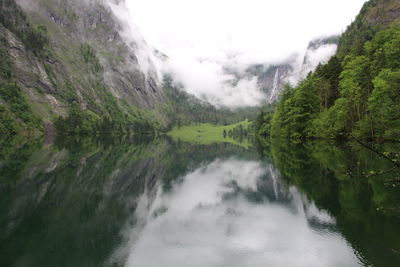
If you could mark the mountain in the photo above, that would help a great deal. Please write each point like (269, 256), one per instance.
(271, 79)
(355, 94)
(319, 51)
(184, 108)
(374, 16)
(63, 55)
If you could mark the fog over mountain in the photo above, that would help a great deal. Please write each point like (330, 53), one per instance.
(204, 38)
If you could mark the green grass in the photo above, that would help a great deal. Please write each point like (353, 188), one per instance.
(206, 133)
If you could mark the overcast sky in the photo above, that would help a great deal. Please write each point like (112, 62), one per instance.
(202, 36)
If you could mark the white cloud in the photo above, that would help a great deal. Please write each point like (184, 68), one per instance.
(132, 35)
(312, 58)
(206, 35)
(206, 80)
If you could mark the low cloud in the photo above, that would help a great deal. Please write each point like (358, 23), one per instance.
(208, 81)
(201, 38)
(317, 56)
(132, 35)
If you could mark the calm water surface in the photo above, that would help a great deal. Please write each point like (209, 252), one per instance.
(162, 203)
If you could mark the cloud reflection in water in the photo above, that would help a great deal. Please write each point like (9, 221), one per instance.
(222, 214)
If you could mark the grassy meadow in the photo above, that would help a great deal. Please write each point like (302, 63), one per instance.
(206, 133)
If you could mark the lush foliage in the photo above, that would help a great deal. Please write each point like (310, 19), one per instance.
(206, 133)
(89, 56)
(92, 109)
(184, 109)
(84, 123)
(5, 64)
(15, 112)
(356, 95)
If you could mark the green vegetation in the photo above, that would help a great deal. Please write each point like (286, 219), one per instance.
(206, 133)
(74, 178)
(13, 18)
(355, 185)
(14, 155)
(104, 114)
(90, 57)
(83, 104)
(15, 113)
(351, 169)
(5, 64)
(77, 84)
(374, 16)
(84, 123)
(66, 184)
(185, 109)
(356, 94)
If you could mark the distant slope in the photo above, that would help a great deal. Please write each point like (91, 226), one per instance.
(183, 108)
(271, 78)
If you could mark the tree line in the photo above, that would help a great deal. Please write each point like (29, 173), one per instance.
(356, 94)
(183, 108)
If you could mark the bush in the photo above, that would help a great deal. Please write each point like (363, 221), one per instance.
(89, 56)
(5, 65)
(17, 105)
(14, 19)
(7, 123)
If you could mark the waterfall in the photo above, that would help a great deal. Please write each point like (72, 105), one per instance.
(275, 86)
(274, 182)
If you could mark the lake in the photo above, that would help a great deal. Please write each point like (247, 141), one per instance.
(145, 203)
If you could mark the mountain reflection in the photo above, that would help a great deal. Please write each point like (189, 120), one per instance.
(147, 203)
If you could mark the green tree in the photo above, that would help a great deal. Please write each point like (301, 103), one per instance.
(355, 88)
(384, 105)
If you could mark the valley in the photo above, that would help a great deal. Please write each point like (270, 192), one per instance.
(147, 133)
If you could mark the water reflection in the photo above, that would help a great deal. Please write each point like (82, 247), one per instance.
(161, 203)
(212, 218)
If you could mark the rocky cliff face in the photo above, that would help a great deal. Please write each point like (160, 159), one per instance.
(374, 16)
(382, 12)
(74, 23)
(85, 58)
(319, 51)
(272, 78)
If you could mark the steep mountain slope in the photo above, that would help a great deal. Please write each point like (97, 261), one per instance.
(271, 79)
(374, 16)
(356, 94)
(65, 54)
(319, 51)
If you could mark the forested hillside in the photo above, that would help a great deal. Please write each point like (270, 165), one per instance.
(184, 109)
(357, 93)
(66, 64)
